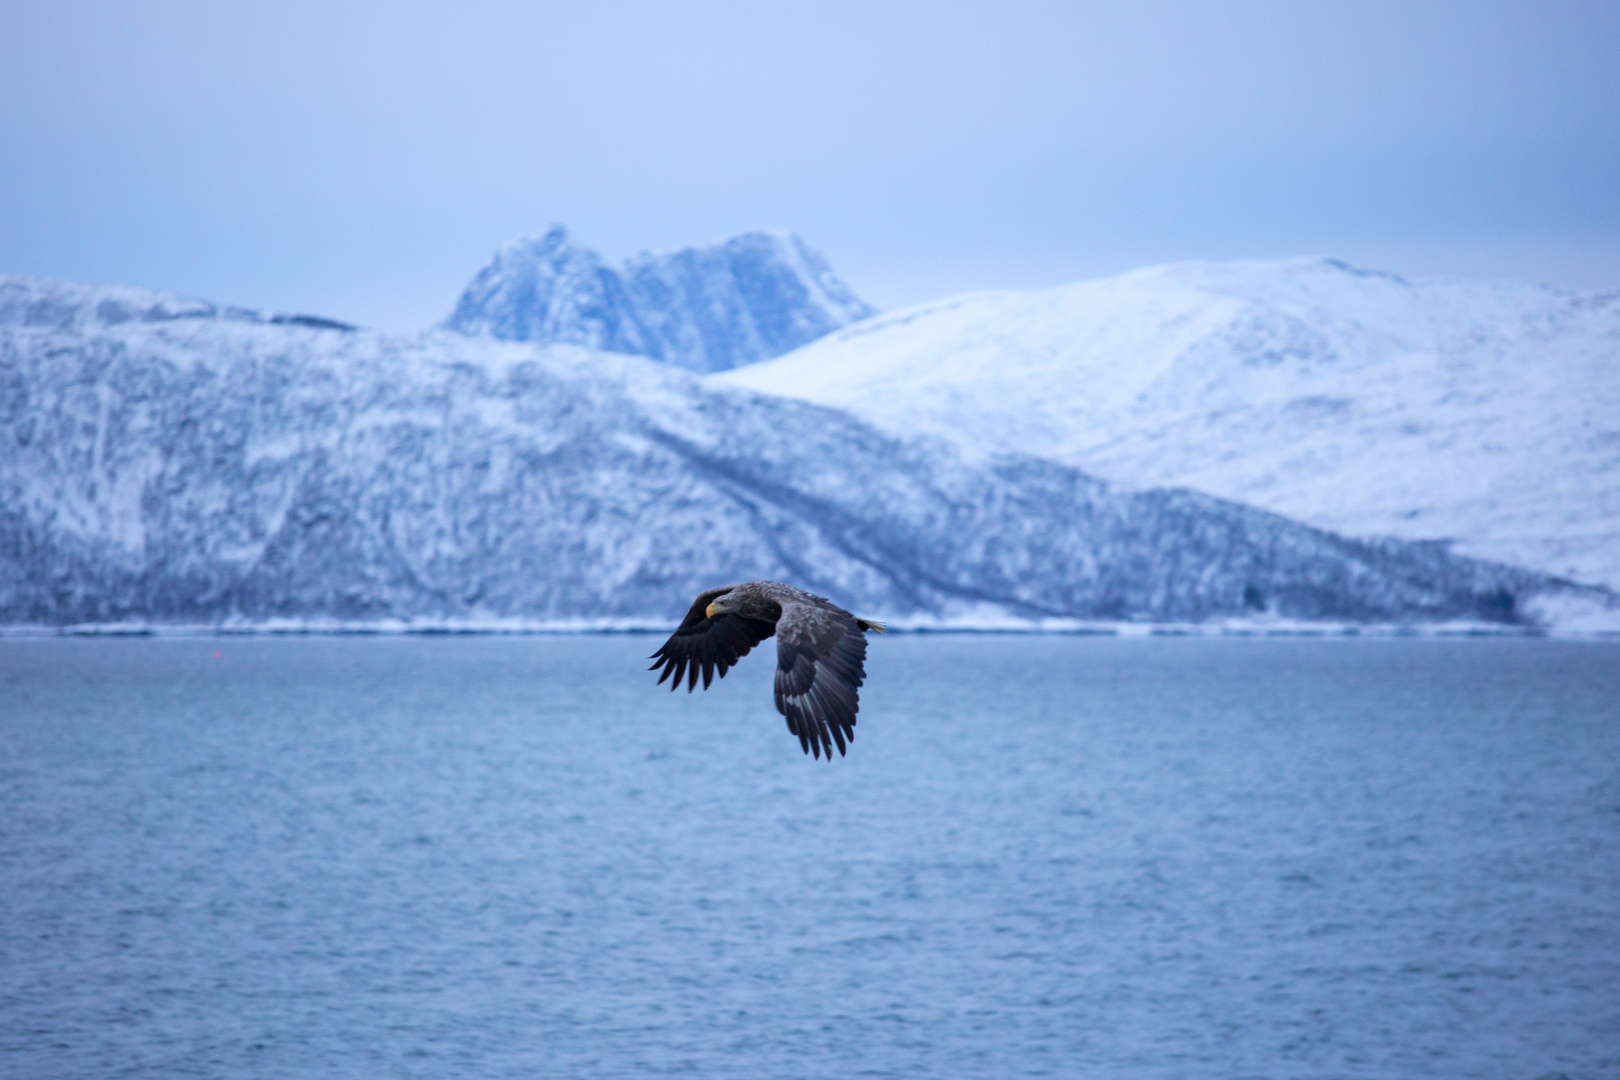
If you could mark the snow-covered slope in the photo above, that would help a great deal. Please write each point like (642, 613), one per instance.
(1360, 402)
(163, 461)
(705, 308)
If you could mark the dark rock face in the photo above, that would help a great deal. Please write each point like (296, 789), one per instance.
(714, 308)
(214, 471)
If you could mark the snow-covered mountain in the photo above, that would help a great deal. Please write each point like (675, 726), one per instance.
(711, 308)
(1360, 402)
(167, 461)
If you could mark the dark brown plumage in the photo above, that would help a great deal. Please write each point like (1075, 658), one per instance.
(820, 654)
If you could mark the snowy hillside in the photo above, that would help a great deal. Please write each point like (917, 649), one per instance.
(705, 308)
(1359, 402)
(164, 461)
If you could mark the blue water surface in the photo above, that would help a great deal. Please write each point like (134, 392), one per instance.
(1044, 856)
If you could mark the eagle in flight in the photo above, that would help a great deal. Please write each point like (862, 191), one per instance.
(820, 653)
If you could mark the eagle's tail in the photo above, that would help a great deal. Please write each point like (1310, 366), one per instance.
(873, 625)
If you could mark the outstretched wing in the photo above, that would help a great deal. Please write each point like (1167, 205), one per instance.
(707, 644)
(820, 664)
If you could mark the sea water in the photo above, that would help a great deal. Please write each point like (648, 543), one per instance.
(1044, 856)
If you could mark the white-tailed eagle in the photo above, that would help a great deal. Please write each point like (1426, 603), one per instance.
(820, 654)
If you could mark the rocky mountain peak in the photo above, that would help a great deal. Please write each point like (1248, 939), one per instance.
(708, 308)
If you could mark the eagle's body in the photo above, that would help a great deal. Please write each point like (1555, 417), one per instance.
(820, 654)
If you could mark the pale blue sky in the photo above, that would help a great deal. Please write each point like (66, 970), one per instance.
(363, 160)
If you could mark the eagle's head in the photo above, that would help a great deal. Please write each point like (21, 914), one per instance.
(746, 601)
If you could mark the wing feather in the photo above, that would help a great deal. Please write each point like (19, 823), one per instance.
(820, 665)
(705, 647)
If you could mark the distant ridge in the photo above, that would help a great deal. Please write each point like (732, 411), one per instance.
(39, 303)
(706, 309)
(1486, 414)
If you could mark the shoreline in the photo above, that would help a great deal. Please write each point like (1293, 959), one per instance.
(650, 627)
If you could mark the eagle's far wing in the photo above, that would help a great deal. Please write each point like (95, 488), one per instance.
(820, 665)
(707, 644)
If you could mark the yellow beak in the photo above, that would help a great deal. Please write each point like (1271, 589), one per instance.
(711, 611)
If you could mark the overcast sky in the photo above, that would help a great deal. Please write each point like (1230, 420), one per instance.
(364, 160)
